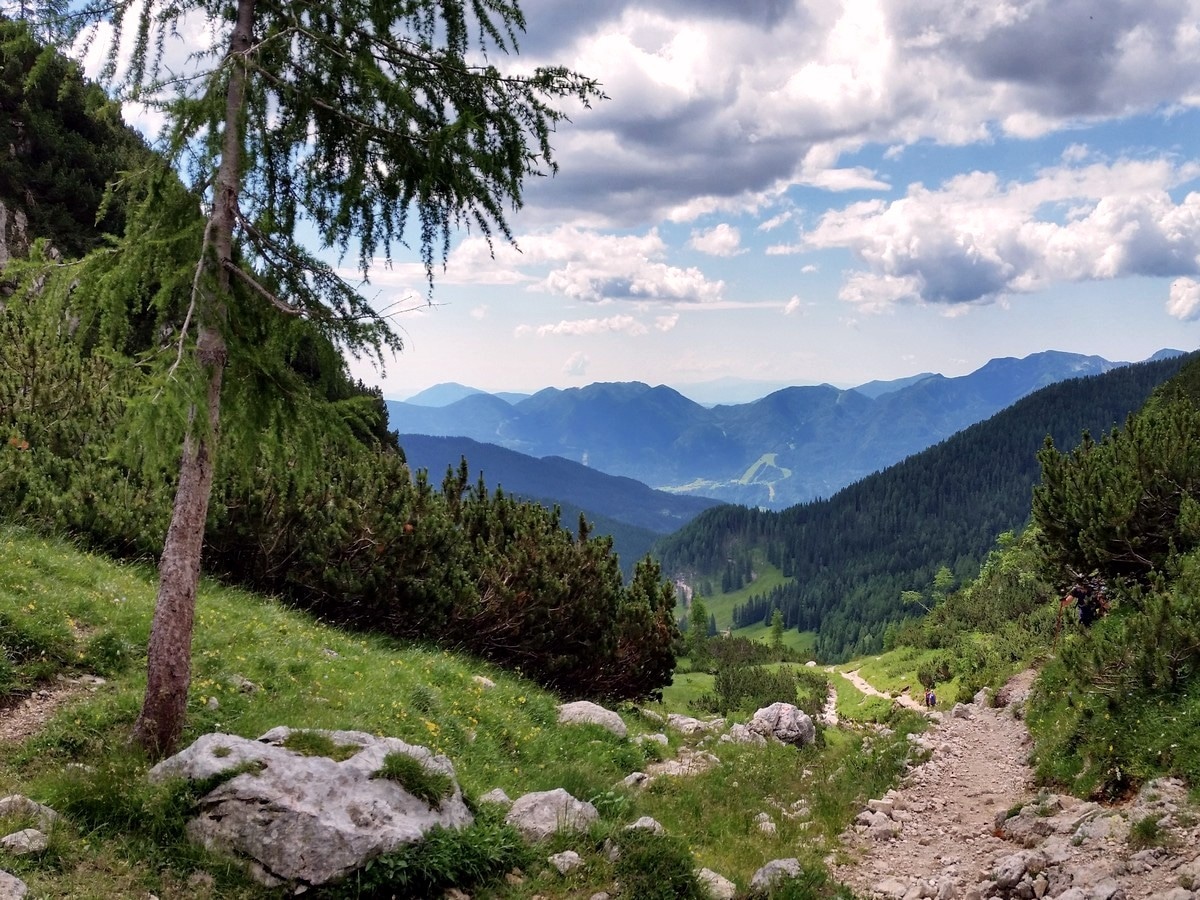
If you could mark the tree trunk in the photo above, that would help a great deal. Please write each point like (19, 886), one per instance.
(169, 654)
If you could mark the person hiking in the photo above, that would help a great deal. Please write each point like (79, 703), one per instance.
(930, 698)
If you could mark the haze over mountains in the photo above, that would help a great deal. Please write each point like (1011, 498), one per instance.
(793, 445)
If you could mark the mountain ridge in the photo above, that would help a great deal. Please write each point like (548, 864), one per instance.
(791, 446)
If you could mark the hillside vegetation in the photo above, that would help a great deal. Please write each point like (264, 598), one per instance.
(848, 559)
(65, 613)
(1103, 592)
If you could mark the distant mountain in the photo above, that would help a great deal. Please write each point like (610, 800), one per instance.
(876, 389)
(442, 394)
(451, 392)
(631, 513)
(793, 445)
(848, 558)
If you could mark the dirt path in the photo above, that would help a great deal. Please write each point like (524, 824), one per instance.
(946, 807)
(27, 717)
(861, 683)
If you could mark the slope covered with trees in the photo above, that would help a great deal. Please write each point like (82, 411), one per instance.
(311, 497)
(850, 558)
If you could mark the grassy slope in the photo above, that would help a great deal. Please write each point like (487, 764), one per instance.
(62, 611)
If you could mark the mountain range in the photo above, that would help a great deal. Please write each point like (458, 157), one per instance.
(791, 446)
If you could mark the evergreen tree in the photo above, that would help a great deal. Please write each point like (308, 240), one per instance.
(777, 629)
(348, 116)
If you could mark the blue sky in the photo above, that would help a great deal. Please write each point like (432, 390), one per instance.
(805, 191)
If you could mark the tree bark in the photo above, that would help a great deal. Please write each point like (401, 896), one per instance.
(169, 654)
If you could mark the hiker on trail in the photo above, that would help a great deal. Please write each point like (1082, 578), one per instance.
(930, 698)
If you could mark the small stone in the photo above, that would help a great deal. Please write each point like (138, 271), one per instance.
(566, 861)
(26, 841)
(719, 887)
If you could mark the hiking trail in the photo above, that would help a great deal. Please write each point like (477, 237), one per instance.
(941, 836)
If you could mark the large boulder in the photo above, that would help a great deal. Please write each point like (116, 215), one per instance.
(307, 819)
(584, 712)
(542, 814)
(784, 722)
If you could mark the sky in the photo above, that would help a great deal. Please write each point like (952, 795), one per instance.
(806, 191)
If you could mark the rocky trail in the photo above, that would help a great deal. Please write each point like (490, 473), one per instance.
(968, 823)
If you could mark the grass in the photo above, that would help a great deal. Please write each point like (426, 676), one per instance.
(124, 838)
(767, 577)
(415, 777)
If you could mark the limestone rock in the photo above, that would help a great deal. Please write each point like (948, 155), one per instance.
(656, 738)
(496, 795)
(25, 842)
(647, 823)
(740, 734)
(566, 861)
(719, 887)
(20, 806)
(775, 871)
(543, 813)
(691, 727)
(308, 820)
(584, 712)
(12, 887)
(786, 723)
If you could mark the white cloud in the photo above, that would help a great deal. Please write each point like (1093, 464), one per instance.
(480, 312)
(976, 239)
(585, 327)
(666, 323)
(793, 305)
(775, 221)
(576, 365)
(1184, 299)
(720, 240)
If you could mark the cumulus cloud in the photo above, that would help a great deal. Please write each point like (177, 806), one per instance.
(793, 305)
(1184, 299)
(726, 104)
(975, 239)
(576, 263)
(720, 240)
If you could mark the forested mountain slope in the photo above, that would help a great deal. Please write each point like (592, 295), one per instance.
(849, 558)
(633, 515)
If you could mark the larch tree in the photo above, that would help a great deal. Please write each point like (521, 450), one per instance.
(343, 117)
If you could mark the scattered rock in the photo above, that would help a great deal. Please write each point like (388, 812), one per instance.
(719, 887)
(483, 681)
(496, 795)
(775, 871)
(566, 861)
(20, 806)
(740, 734)
(647, 823)
(584, 712)
(692, 727)
(542, 814)
(25, 842)
(786, 723)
